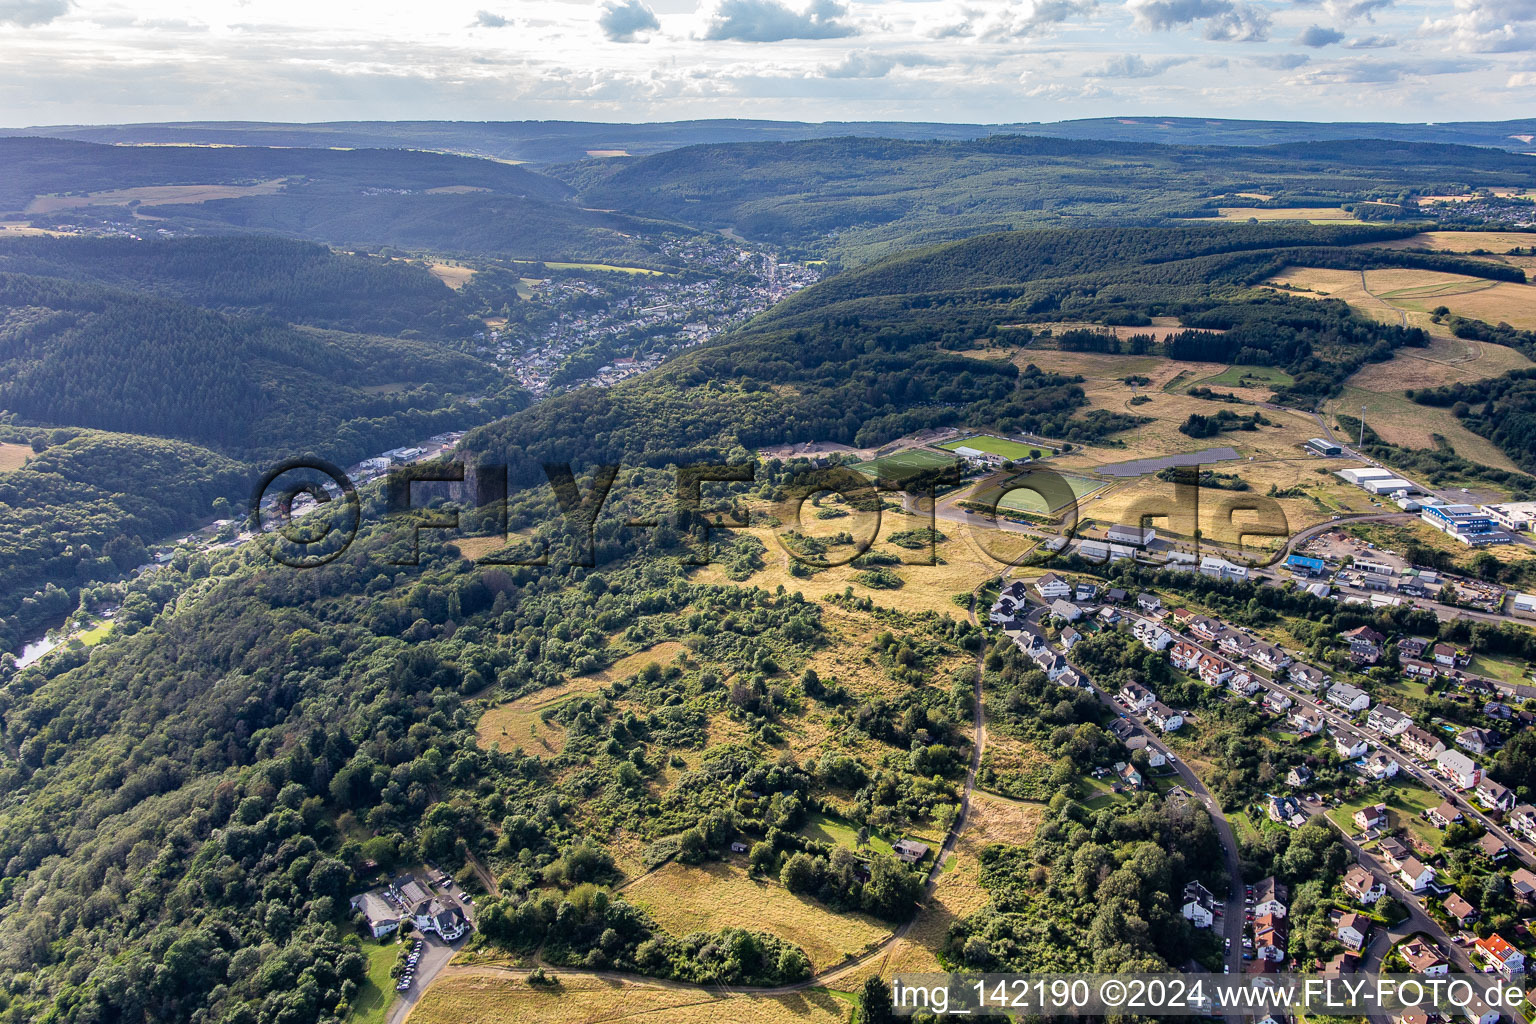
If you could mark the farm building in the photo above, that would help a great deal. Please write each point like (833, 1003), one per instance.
(1327, 449)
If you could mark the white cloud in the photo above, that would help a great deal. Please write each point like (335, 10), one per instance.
(1133, 66)
(488, 19)
(769, 21)
(1371, 42)
(869, 64)
(1317, 35)
(1487, 26)
(624, 20)
(27, 13)
(1225, 20)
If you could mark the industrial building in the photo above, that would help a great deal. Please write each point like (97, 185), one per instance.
(1466, 523)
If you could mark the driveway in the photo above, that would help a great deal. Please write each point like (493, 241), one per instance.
(434, 957)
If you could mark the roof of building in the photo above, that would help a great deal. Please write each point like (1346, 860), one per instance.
(1457, 906)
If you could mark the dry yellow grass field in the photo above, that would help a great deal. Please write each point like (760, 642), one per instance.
(1312, 213)
(1398, 421)
(453, 277)
(926, 588)
(1447, 360)
(491, 995)
(1460, 241)
(1393, 295)
(155, 195)
(22, 229)
(12, 456)
(684, 899)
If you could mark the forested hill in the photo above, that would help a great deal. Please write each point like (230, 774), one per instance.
(297, 282)
(373, 198)
(870, 355)
(78, 354)
(862, 197)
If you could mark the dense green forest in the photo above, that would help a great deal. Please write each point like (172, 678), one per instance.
(858, 198)
(296, 282)
(82, 355)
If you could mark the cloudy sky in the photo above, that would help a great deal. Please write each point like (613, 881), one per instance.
(93, 61)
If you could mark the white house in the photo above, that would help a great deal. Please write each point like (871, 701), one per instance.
(1244, 684)
(1307, 677)
(1388, 720)
(1199, 905)
(1137, 697)
(1064, 609)
(1420, 742)
(1379, 766)
(1277, 702)
(1363, 886)
(377, 912)
(1416, 875)
(1458, 768)
(1306, 723)
(1349, 747)
(1497, 953)
(1350, 698)
(1492, 795)
(1050, 586)
(1152, 636)
(1353, 930)
(1270, 897)
(445, 919)
(1164, 717)
(1424, 959)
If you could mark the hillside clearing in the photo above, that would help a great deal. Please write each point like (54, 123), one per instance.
(13, 456)
(491, 995)
(685, 899)
(453, 277)
(1398, 421)
(153, 195)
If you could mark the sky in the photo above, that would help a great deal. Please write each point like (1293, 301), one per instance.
(973, 61)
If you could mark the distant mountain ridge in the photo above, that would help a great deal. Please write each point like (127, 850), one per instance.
(563, 141)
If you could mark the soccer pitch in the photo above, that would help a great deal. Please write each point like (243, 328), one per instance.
(994, 445)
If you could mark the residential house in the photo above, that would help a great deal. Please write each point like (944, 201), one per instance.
(1084, 592)
(1497, 953)
(409, 891)
(1164, 717)
(1148, 602)
(1422, 958)
(1214, 671)
(1269, 656)
(380, 916)
(1348, 697)
(1306, 723)
(1121, 729)
(1394, 851)
(1523, 882)
(1492, 847)
(1415, 669)
(1307, 678)
(1185, 656)
(1244, 684)
(1110, 615)
(1152, 636)
(1478, 1012)
(1155, 758)
(1277, 702)
(1269, 936)
(1478, 741)
(1364, 644)
(1495, 796)
(1199, 905)
(1052, 664)
(1299, 775)
(1460, 911)
(1137, 697)
(909, 851)
(1349, 747)
(1115, 595)
(1415, 874)
(1388, 720)
(1498, 711)
(1523, 819)
(1368, 818)
(1380, 766)
(1070, 638)
(439, 917)
(1270, 897)
(1445, 815)
(1207, 629)
(1128, 774)
(1064, 609)
(1238, 645)
(1459, 769)
(1284, 810)
(1447, 656)
(1411, 647)
(1353, 930)
(1050, 587)
(1420, 742)
(1363, 886)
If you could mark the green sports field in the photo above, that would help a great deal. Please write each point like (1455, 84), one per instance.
(994, 445)
(894, 467)
(1019, 500)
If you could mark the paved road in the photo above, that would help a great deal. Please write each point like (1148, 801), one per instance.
(433, 959)
(1341, 722)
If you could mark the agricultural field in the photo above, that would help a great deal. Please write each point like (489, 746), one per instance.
(993, 445)
(488, 994)
(1393, 295)
(1461, 241)
(685, 899)
(12, 456)
(154, 195)
(612, 268)
(1314, 214)
(1447, 360)
(1245, 377)
(454, 277)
